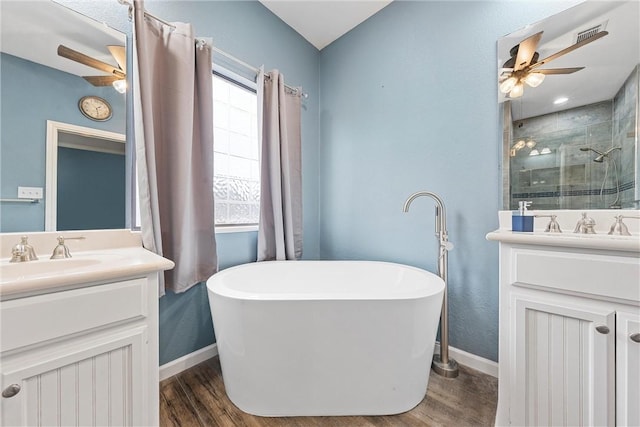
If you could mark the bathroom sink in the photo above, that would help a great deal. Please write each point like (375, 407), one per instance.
(17, 271)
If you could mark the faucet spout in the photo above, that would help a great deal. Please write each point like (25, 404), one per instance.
(441, 213)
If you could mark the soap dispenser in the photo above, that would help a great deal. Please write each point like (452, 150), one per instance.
(521, 221)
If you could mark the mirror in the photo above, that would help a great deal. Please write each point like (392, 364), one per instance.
(38, 86)
(572, 141)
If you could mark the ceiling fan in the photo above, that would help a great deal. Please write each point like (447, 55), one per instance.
(523, 65)
(117, 76)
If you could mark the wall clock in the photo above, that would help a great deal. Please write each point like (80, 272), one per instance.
(95, 108)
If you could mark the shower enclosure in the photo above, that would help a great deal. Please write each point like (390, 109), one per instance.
(580, 158)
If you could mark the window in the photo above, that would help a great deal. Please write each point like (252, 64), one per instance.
(236, 182)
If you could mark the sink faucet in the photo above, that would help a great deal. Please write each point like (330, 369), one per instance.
(23, 251)
(585, 225)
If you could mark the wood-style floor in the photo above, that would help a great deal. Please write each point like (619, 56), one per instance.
(196, 397)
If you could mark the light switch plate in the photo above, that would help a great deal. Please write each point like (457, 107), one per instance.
(29, 192)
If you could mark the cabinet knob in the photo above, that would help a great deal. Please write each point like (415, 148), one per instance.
(635, 337)
(603, 329)
(11, 391)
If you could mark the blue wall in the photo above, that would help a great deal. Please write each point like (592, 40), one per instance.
(31, 95)
(409, 103)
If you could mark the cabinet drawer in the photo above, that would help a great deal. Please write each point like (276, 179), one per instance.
(31, 320)
(610, 276)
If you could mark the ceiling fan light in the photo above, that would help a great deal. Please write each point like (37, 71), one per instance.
(517, 90)
(120, 85)
(507, 85)
(519, 145)
(534, 79)
(531, 143)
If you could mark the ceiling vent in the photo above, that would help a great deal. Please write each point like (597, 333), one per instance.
(590, 32)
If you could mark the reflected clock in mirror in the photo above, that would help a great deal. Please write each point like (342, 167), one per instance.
(570, 138)
(95, 108)
(42, 85)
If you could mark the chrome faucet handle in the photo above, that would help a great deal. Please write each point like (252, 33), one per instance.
(553, 226)
(620, 228)
(23, 251)
(61, 251)
(585, 225)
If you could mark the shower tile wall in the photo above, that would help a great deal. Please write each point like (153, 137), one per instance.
(625, 130)
(567, 178)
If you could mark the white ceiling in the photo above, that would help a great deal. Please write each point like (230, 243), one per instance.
(322, 22)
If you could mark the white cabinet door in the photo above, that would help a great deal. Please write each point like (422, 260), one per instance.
(94, 381)
(563, 369)
(628, 369)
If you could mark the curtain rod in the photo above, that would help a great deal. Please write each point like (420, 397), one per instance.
(255, 70)
(220, 51)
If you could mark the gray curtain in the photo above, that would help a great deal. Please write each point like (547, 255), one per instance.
(174, 148)
(280, 228)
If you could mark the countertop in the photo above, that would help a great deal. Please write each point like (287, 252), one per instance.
(108, 256)
(568, 219)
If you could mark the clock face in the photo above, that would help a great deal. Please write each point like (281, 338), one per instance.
(95, 108)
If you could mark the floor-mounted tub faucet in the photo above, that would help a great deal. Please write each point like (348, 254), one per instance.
(442, 364)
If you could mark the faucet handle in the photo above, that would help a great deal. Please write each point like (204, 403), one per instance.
(61, 250)
(620, 228)
(553, 226)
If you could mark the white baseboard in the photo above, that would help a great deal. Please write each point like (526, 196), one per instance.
(187, 361)
(183, 363)
(472, 361)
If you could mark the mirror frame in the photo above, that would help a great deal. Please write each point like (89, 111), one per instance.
(51, 163)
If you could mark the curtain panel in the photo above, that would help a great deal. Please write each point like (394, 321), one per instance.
(280, 228)
(173, 108)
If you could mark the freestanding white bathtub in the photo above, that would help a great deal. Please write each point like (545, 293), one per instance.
(325, 337)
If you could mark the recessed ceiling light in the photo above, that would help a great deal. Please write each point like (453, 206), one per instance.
(561, 100)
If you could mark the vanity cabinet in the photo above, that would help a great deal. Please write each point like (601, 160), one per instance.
(85, 356)
(564, 367)
(567, 315)
(628, 368)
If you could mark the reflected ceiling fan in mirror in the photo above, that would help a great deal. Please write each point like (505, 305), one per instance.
(117, 76)
(523, 66)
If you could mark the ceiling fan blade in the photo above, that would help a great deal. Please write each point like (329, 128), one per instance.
(101, 80)
(558, 70)
(119, 53)
(570, 49)
(81, 58)
(526, 50)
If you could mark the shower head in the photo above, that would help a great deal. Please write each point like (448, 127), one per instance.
(601, 155)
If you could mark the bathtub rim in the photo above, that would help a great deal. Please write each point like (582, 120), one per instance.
(436, 284)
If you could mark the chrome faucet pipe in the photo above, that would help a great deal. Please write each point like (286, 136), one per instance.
(442, 364)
